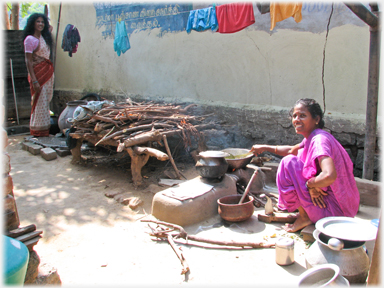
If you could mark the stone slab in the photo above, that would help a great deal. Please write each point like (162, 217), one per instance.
(62, 152)
(35, 149)
(26, 144)
(48, 154)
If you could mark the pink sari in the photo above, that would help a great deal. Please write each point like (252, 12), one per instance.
(343, 196)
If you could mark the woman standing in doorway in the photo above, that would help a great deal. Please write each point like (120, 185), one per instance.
(37, 47)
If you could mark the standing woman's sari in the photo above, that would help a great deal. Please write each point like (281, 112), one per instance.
(40, 121)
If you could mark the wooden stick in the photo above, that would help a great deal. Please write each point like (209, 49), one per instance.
(105, 119)
(102, 139)
(179, 255)
(184, 235)
(171, 158)
(248, 186)
(151, 152)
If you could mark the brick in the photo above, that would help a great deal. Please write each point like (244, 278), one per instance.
(26, 145)
(48, 154)
(62, 152)
(35, 149)
(6, 163)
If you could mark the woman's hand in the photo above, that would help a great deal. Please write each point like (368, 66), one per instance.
(317, 196)
(37, 87)
(257, 149)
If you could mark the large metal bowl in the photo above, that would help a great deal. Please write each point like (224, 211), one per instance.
(239, 162)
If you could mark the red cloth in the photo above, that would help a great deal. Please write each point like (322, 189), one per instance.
(234, 17)
(43, 72)
(41, 133)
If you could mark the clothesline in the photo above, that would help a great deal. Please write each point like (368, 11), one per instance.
(225, 18)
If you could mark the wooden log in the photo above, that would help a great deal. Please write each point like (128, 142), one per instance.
(76, 152)
(136, 128)
(151, 152)
(137, 162)
(143, 138)
(28, 236)
(21, 230)
(32, 242)
(105, 119)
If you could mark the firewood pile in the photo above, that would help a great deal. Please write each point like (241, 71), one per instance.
(133, 127)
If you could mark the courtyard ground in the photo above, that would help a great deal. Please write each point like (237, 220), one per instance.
(94, 240)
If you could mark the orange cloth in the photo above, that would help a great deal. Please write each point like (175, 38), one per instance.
(282, 11)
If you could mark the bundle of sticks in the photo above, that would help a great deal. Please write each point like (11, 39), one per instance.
(124, 122)
(130, 125)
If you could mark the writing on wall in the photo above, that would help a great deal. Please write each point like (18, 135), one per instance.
(168, 17)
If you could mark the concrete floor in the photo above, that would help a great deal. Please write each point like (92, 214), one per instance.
(250, 267)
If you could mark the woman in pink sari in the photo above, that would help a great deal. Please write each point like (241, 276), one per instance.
(316, 176)
(37, 47)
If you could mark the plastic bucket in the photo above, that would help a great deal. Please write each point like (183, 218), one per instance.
(16, 258)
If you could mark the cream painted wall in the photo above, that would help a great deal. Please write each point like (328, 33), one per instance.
(253, 68)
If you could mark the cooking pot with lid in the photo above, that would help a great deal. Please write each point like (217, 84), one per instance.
(212, 164)
(340, 241)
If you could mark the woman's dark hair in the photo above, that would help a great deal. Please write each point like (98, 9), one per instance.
(29, 28)
(313, 108)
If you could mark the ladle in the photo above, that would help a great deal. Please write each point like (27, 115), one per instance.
(248, 186)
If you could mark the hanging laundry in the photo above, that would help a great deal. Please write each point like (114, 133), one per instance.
(202, 19)
(71, 37)
(282, 11)
(263, 7)
(121, 42)
(234, 17)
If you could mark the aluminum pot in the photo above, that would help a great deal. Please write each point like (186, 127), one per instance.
(322, 276)
(212, 164)
(352, 259)
(234, 161)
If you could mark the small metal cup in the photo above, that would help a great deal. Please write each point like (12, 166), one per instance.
(285, 251)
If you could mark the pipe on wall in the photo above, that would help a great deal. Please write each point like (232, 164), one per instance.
(373, 20)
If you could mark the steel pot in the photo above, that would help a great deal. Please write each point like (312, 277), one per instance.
(352, 258)
(212, 164)
(322, 276)
(236, 163)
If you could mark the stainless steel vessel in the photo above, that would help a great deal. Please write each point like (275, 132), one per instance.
(346, 250)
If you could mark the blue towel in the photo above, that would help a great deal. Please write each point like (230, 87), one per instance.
(121, 42)
(202, 19)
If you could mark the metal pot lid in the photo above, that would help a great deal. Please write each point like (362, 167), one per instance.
(347, 228)
(214, 154)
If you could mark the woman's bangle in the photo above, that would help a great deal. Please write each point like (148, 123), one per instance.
(34, 82)
(276, 149)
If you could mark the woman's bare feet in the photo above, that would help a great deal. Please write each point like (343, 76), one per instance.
(301, 222)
